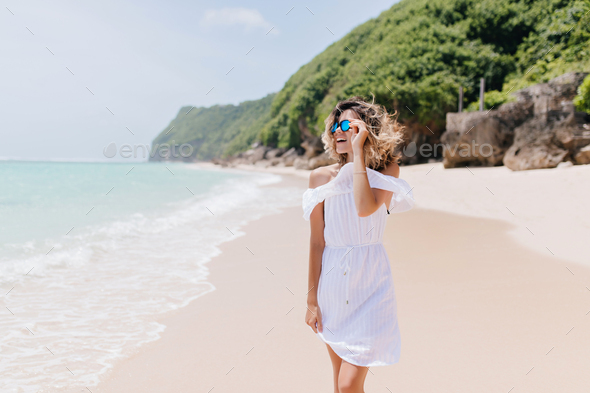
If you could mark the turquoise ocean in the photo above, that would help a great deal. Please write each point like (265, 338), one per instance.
(92, 253)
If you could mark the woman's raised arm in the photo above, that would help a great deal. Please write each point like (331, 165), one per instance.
(366, 199)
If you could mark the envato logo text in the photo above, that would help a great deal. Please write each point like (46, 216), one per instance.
(164, 150)
(462, 149)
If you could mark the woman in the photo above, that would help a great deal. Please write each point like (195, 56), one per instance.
(351, 302)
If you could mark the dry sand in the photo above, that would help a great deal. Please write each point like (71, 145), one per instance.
(482, 307)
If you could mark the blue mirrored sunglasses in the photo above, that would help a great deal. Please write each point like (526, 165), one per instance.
(344, 126)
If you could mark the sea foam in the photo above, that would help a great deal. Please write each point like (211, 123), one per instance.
(95, 297)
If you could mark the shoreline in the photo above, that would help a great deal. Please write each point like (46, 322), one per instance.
(541, 203)
(478, 296)
(278, 170)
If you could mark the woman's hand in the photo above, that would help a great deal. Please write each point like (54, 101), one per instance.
(359, 135)
(313, 317)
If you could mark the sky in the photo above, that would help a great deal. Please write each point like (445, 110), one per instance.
(77, 76)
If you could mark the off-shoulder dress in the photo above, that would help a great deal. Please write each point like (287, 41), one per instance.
(356, 294)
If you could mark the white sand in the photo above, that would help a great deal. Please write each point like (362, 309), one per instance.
(482, 308)
(550, 208)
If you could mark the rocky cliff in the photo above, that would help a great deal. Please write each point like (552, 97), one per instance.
(539, 130)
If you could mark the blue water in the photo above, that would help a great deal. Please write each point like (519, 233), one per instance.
(46, 199)
(92, 253)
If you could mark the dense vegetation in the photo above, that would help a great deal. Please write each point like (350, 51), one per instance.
(582, 100)
(219, 130)
(413, 58)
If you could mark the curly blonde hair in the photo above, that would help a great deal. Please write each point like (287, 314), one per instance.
(381, 147)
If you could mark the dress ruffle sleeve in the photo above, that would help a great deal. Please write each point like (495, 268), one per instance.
(341, 184)
(313, 196)
(402, 199)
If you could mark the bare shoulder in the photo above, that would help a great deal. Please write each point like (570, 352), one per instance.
(322, 175)
(391, 170)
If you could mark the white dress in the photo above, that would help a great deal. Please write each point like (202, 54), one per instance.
(355, 291)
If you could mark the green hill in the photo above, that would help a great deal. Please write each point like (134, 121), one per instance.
(412, 58)
(217, 131)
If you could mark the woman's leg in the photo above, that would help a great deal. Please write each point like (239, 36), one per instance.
(336, 362)
(351, 378)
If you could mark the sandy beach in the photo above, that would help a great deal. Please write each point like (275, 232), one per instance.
(492, 278)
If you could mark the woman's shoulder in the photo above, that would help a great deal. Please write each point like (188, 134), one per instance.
(392, 169)
(322, 175)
